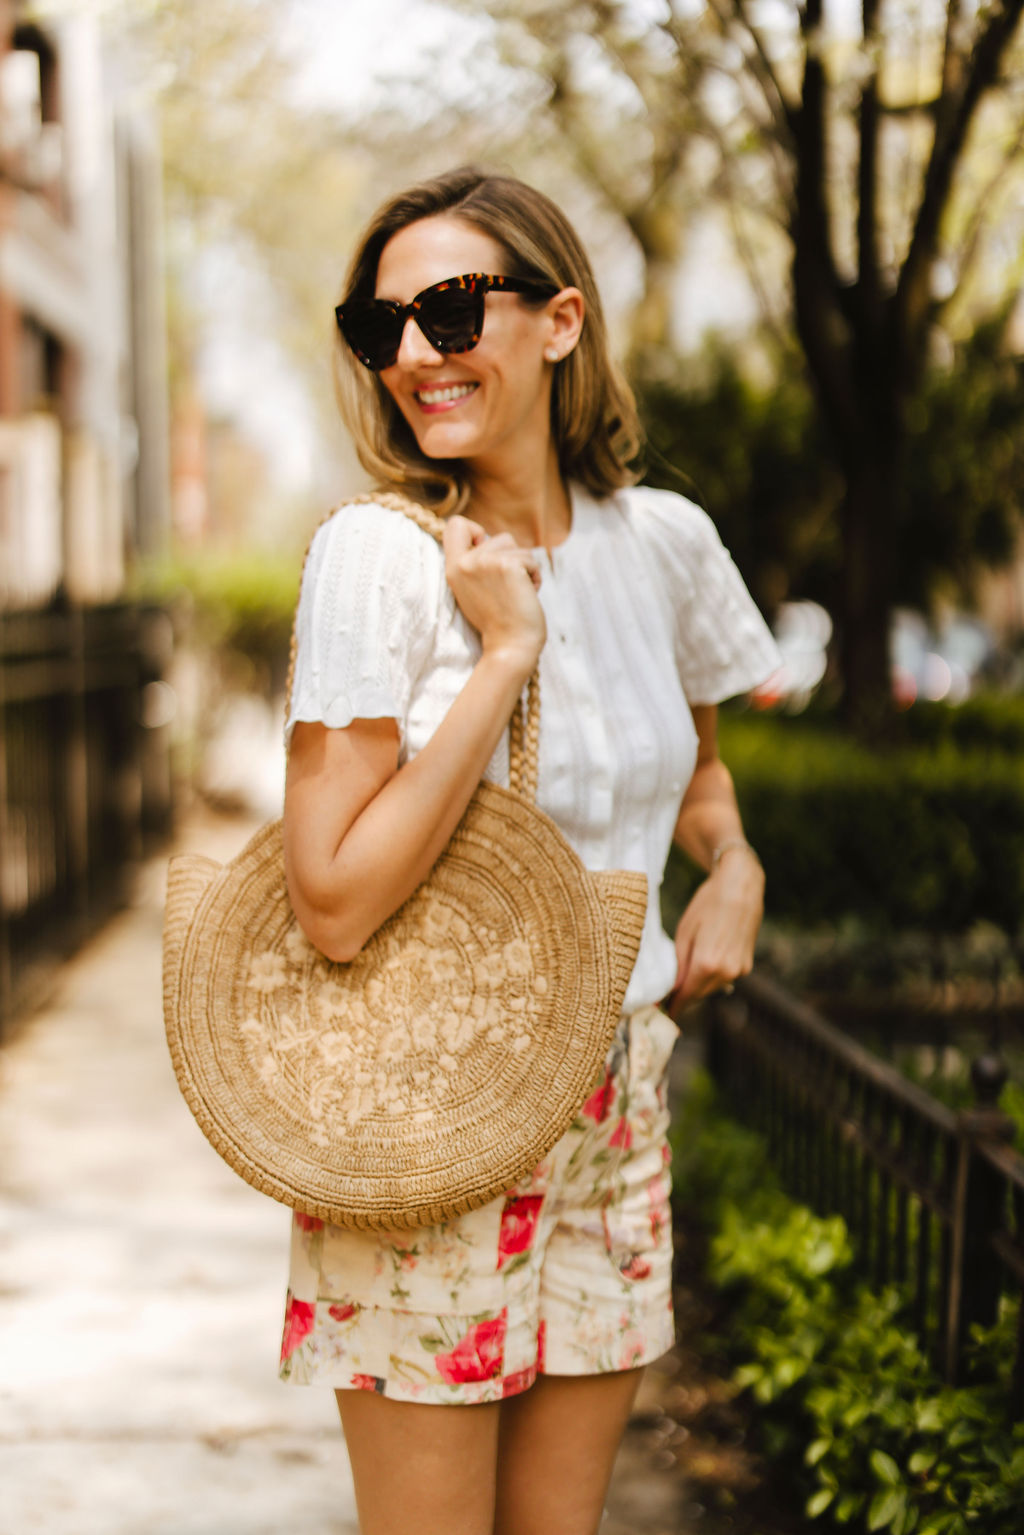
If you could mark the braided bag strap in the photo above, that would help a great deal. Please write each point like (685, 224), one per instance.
(524, 726)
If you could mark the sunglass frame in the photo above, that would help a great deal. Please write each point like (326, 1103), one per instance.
(478, 284)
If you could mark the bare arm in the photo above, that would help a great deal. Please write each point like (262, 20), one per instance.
(716, 934)
(360, 833)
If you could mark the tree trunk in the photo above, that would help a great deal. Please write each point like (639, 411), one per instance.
(871, 521)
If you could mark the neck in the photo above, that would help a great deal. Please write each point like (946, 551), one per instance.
(532, 504)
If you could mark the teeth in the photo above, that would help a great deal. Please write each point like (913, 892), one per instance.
(442, 396)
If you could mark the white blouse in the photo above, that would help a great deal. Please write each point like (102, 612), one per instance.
(646, 614)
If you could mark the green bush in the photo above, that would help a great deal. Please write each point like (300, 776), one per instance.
(241, 605)
(916, 837)
(844, 1398)
(987, 721)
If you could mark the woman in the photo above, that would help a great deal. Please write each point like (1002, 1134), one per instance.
(474, 377)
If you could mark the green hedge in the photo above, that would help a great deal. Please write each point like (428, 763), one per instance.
(989, 720)
(846, 1404)
(237, 607)
(927, 837)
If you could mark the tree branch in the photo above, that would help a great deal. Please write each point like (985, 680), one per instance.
(965, 82)
(780, 162)
(868, 281)
(781, 110)
(818, 300)
(971, 243)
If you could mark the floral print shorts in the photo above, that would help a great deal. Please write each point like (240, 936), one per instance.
(568, 1274)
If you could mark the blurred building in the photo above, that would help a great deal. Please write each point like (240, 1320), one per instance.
(83, 487)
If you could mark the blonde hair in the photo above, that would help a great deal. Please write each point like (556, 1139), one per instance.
(593, 414)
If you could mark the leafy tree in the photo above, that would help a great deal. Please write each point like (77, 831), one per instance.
(965, 470)
(756, 453)
(867, 301)
(886, 158)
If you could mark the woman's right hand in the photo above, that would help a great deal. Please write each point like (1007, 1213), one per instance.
(495, 582)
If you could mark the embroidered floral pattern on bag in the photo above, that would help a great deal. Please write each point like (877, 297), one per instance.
(570, 1271)
(304, 1029)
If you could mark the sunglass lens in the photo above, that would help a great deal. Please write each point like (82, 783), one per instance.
(374, 332)
(451, 318)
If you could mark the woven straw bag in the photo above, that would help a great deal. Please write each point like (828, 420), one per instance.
(432, 1072)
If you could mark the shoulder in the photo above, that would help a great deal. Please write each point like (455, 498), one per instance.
(677, 532)
(371, 530)
(667, 517)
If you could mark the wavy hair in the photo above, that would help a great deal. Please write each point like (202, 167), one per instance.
(593, 414)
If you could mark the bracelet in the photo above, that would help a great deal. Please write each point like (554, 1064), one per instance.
(729, 843)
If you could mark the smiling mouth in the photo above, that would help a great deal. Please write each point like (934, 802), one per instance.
(445, 396)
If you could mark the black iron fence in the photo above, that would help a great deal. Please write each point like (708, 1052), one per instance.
(934, 1198)
(84, 774)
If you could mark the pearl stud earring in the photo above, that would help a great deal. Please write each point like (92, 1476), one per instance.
(551, 354)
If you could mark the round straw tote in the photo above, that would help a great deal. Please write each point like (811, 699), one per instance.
(436, 1069)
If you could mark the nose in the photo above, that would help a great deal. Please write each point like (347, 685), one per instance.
(414, 349)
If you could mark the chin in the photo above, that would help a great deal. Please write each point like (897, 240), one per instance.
(446, 444)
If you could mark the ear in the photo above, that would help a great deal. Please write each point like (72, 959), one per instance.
(565, 313)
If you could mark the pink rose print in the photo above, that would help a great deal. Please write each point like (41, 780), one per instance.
(519, 1218)
(635, 1266)
(368, 1383)
(343, 1313)
(299, 1316)
(599, 1102)
(622, 1135)
(478, 1355)
(632, 1351)
(656, 1193)
(308, 1222)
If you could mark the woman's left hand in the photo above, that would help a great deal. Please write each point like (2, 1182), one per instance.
(717, 931)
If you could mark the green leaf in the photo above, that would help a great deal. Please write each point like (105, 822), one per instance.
(963, 1433)
(885, 1468)
(816, 1451)
(922, 1461)
(820, 1501)
(929, 1418)
(887, 1504)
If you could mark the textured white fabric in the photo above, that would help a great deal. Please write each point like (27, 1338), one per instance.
(646, 614)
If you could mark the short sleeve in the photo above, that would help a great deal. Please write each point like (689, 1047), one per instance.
(723, 645)
(366, 618)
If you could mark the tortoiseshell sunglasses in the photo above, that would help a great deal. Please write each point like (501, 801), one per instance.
(450, 314)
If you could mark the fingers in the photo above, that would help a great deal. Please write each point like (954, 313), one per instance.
(463, 538)
(494, 582)
(711, 956)
(460, 535)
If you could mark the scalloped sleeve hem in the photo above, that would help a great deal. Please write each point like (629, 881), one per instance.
(336, 713)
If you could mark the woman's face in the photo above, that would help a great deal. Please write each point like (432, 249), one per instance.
(491, 404)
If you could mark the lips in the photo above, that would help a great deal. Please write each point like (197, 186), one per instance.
(446, 394)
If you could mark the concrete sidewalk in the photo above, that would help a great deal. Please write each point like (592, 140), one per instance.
(141, 1281)
(142, 1287)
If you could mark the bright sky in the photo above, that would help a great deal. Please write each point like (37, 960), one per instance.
(352, 49)
(346, 52)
